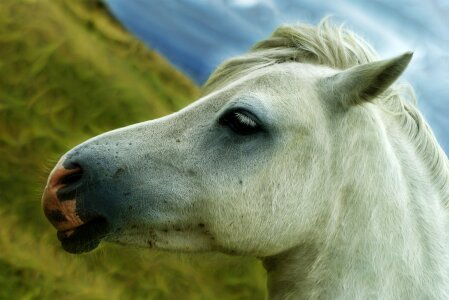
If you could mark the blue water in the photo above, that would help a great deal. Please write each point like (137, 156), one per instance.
(196, 35)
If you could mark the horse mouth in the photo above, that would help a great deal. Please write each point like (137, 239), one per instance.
(84, 238)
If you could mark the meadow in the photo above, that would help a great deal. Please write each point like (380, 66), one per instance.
(69, 71)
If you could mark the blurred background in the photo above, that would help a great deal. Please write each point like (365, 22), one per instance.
(71, 69)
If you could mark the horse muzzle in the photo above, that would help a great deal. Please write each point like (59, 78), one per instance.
(79, 228)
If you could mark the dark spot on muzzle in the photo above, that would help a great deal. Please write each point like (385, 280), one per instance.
(118, 173)
(57, 216)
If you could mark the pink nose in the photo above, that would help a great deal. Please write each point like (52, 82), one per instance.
(59, 201)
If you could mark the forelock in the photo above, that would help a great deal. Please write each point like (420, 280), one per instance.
(325, 44)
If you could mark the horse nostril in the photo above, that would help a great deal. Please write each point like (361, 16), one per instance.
(70, 182)
(72, 178)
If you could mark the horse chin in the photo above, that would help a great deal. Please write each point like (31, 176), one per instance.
(84, 238)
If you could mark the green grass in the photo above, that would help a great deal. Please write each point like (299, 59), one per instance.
(68, 71)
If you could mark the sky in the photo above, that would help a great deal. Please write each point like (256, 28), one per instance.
(196, 35)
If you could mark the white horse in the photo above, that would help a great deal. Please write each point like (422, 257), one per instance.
(303, 152)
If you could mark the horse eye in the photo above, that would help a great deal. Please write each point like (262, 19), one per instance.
(241, 122)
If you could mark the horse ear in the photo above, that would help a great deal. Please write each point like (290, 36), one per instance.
(362, 83)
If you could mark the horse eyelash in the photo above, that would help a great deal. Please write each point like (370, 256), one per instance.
(244, 119)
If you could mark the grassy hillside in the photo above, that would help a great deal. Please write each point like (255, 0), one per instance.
(68, 72)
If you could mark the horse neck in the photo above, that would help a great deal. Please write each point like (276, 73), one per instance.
(384, 235)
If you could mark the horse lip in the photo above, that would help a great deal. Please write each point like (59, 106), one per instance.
(84, 238)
